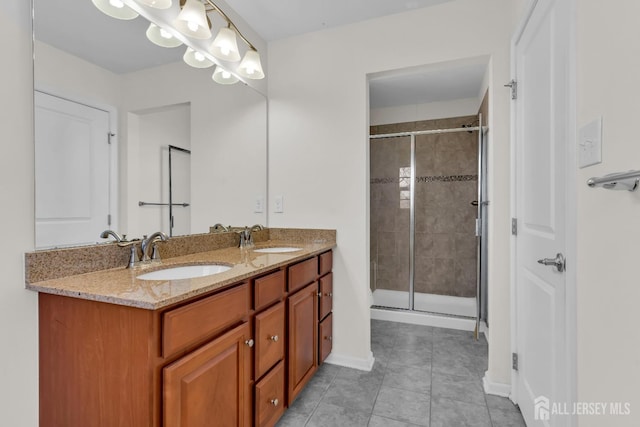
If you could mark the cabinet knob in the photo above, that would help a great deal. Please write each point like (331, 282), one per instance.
(274, 338)
(275, 402)
(249, 342)
(330, 294)
(330, 338)
(319, 294)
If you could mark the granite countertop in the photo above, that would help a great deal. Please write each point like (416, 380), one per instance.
(120, 285)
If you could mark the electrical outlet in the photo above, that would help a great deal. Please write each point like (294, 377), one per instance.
(590, 143)
(279, 206)
(259, 206)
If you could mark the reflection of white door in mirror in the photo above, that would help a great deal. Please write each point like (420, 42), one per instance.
(72, 156)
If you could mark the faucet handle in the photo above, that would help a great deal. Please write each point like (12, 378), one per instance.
(133, 257)
(155, 253)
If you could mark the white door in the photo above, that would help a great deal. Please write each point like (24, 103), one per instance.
(542, 137)
(72, 163)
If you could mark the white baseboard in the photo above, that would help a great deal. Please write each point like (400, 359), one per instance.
(351, 362)
(496, 389)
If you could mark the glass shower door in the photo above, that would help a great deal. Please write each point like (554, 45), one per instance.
(390, 201)
(445, 214)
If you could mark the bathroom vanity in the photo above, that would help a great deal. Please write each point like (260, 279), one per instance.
(232, 349)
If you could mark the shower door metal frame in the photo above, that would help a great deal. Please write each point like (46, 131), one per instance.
(481, 202)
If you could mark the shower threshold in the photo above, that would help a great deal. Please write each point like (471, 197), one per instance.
(430, 303)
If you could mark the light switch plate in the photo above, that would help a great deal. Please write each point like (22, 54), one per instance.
(590, 143)
(259, 206)
(279, 204)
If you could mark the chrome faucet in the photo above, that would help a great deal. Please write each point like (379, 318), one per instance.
(150, 241)
(106, 233)
(246, 239)
(257, 227)
(219, 228)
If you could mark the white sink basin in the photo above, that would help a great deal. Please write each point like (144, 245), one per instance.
(276, 250)
(185, 272)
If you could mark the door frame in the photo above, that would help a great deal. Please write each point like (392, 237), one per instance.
(569, 383)
(114, 172)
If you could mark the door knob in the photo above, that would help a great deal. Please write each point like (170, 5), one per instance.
(558, 262)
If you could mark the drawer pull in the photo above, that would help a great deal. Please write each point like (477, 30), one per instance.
(274, 338)
(329, 338)
(249, 342)
(330, 294)
(275, 402)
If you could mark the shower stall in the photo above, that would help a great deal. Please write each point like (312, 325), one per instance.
(428, 217)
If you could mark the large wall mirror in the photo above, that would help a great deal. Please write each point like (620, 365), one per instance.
(112, 110)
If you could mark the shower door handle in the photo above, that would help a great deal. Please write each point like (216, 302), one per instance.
(474, 203)
(558, 262)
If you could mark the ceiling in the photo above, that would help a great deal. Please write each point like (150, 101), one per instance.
(444, 82)
(276, 19)
(118, 46)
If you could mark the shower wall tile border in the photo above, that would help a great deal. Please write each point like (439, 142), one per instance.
(419, 179)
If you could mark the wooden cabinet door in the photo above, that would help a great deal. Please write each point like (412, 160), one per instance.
(211, 386)
(303, 338)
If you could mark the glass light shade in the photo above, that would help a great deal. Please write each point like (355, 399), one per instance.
(161, 37)
(192, 20)
(250, 66)
(225, 45)
(157, 4)
(222, 76)
(196, 59)
(115, 9)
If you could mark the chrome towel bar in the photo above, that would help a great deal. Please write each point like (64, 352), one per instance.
(184, 205)
(617, 181)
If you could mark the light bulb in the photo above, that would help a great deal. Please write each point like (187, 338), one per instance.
(196, 59)
(226, 74)
(225, 46)
(116, 3)
(225, 50)
(199, 57)
(193, 26)
(165, 34)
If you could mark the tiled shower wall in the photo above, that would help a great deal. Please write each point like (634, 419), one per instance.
(446, 184)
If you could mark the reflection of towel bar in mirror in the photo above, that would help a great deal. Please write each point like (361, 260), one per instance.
(617, 181)
(184, 205)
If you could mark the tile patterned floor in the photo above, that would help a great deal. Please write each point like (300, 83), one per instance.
(423, 376)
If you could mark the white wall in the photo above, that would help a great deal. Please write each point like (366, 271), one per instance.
(228, 142)
(18, 307)
(318, 141)
(608, 276)
(429, 111)
(156, 129)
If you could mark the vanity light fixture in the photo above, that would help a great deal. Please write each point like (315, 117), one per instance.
(196, 59)
(193, 21)
(115, 9)
(161, 37)
(222, 76)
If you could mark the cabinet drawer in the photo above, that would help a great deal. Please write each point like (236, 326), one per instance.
(325, 295)
(199, 320)
(269, 338)
(326, 262)
(268, 289)
(303, 273)
(270, 397)
(326, 337)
